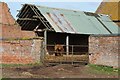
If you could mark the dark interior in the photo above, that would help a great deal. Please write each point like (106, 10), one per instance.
(77, 41)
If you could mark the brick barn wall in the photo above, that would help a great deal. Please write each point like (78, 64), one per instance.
(104, 51)
(20, 51)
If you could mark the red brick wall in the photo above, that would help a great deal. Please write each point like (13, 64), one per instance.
(9, 28)
(20, 51)
(104, 50)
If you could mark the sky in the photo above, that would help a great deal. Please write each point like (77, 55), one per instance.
(81, 5)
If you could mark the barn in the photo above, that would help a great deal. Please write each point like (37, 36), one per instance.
(68, 28)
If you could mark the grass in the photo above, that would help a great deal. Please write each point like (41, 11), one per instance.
(98, 69)
(18, 65)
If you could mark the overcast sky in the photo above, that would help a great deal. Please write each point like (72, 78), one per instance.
(90, 6)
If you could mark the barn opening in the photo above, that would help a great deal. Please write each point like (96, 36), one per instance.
(78, 44)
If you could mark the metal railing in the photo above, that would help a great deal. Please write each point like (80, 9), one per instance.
(76, 53)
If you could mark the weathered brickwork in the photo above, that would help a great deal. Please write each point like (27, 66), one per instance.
(20, 51)
(104, 50)
(16, 51)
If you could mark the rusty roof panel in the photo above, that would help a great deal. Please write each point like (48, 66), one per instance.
(61, 22)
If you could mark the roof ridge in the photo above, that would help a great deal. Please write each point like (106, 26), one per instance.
(59, 8)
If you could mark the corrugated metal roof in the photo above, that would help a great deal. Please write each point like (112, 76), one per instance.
(69, 21)
(78, 22)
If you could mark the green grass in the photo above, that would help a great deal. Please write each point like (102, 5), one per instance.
(98, 69)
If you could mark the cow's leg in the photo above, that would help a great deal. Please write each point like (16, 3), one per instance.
(56, 53)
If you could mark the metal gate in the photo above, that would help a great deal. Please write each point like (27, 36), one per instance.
(71, 54)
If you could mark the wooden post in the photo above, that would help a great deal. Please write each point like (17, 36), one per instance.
(67, 45)
(45, 41)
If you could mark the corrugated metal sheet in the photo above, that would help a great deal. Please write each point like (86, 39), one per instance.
(110, 26)
(70, 21)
